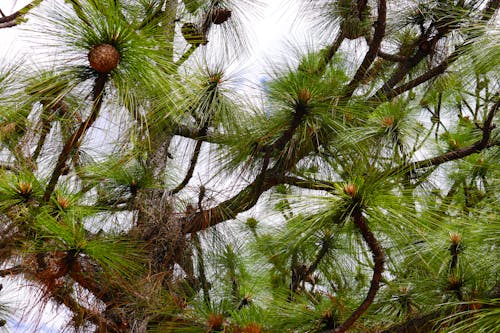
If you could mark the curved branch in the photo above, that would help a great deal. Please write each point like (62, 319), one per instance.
(244, 200)
(378, 269)
(189, 173)
(75, 139)
(372, 51)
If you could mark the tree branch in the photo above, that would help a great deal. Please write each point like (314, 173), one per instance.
(330, 52)
(439, 69)
(372, 51)
(378, 259)
(185, 56)
(487, 127)
(424, 48)
(228, 209)
(189, 173)
(15, 18)
(391, 57)
(81, 313)
(75, 139)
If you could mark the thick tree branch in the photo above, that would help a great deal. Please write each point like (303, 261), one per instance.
(378, 269)
(228, 209)
(249, 196)
(75, 139)
(372, 51)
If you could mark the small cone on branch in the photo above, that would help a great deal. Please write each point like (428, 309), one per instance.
(104, 58)
(219, 15)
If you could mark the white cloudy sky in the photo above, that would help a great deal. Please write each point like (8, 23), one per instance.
(271, 31)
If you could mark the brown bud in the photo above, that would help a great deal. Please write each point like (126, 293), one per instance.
(350, 190)
(388, 121)
(304, 96)
(215, 321)
(455, 238)
(24, 188)
(62, 201)
(252, 328)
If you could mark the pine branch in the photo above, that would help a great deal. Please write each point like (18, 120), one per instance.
(185, 56)
(228, 209)
(14, 19)
(372, 51)
(325, 246)
(75, 139)
(405, 67)
(387, 92)
(482, 144)
(391, 57)
(439, 69)
(330, 52)
(201, 268)
(378, 269)
(192, 163)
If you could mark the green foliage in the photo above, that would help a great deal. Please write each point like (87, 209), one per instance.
(145, 187)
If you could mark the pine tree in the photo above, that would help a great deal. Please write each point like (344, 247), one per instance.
(373, 161)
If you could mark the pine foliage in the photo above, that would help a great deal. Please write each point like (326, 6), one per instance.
(143, 190)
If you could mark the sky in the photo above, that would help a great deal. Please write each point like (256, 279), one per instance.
(270, 33)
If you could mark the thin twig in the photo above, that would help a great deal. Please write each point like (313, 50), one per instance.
(15, 18)
(189, 174)
(15, 270)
